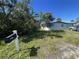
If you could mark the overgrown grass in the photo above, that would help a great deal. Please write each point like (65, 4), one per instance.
(35, 45)
(72, 37)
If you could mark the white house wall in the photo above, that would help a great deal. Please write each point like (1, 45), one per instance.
(60, 26)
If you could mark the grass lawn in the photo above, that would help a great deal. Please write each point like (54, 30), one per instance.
(36, 45)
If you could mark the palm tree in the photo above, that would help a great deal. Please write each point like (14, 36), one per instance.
(58, 20)
(48, 18)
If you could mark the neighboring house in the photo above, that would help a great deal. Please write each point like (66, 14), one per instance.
(76, 26)
(60, 25)
(55, 26)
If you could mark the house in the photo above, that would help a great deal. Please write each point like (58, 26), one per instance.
(55, 26)
(76, 26)
(60, 25)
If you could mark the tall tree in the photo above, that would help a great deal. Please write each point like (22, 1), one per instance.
(58, 20)
(48, 18)
(19, 17)
(6, 7)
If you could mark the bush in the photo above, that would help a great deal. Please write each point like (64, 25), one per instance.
(20, 19)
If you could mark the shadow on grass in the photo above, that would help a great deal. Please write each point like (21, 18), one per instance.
(33, 51)
(42, 34)
(1, 41)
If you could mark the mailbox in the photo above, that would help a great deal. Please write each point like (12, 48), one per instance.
(10, 38)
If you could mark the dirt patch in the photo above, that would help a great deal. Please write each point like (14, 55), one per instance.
(63, 50)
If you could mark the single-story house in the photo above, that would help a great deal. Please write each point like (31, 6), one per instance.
(76, 26)
(57, 25)
(60, 25)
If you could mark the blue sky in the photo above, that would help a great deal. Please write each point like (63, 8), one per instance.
(65, 9)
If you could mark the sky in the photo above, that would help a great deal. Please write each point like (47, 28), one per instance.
(65, 9)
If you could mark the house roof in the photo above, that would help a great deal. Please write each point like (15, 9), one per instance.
(63, 22)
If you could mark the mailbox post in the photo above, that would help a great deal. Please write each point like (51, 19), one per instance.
(13, 36)
(16, 40)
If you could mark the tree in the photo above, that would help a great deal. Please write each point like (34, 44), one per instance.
(18, 17)
(72, 21)
(47, 18)
(6, 7)
(25, 18)
(58, 20)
